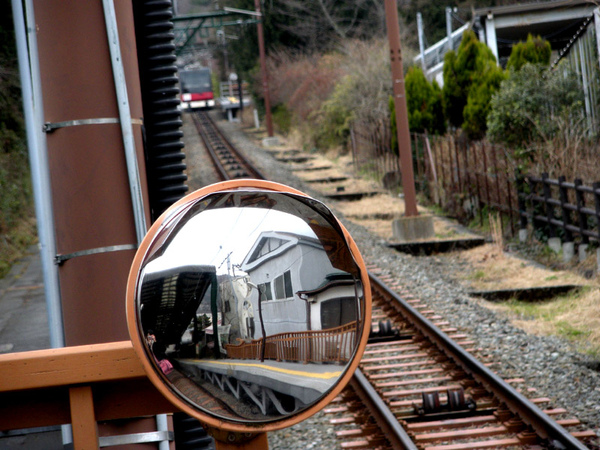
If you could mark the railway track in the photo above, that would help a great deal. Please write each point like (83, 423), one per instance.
(419, 386)
(425, 377)
(229, 163)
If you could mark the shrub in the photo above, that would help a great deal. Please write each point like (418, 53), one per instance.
(424, 103)
(471, 76)
(535, 51)
(282, 118)
(532, 103)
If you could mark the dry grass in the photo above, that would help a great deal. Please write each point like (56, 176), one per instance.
(575, 317)
(492, 269)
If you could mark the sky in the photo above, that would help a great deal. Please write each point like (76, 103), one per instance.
(212, 235)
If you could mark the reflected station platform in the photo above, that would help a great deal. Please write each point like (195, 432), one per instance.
(305, 382)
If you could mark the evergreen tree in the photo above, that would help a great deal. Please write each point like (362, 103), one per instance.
(471, 77)
(535, 51)
(424, 103)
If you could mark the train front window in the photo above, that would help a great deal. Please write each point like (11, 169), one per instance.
(195, 81)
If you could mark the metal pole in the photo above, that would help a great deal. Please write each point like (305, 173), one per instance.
(421, 36)
(31, 89)
(406, 163)
(263, 69)
(133, 172)
(449, 26)
(40, 172)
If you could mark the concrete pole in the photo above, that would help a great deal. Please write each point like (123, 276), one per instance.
(406, 163)
(263, 69)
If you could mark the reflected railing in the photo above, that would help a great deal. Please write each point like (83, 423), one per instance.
(333, 345)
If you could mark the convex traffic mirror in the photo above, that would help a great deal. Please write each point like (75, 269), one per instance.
(248, 304)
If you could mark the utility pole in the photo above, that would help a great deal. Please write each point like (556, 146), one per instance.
(404, 147)
(263, 69)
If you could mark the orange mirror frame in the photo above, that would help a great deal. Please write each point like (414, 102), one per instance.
(149, 359)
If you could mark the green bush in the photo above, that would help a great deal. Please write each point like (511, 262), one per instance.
(531, 103)
(471, 76)
(424, 103)
(282, 118)
(535, 51)
(334, 117)
(479, 102)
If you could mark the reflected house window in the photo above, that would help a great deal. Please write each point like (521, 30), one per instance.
(266, 246)
(265, 289)
(338, 311)
(283, 286)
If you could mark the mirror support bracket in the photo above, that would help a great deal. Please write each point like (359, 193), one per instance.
(228, 440)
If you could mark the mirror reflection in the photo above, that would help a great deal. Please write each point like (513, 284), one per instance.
(250, 304)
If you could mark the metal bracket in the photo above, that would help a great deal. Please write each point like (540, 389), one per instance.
(59, 259)
(136, 438)
(49, 127)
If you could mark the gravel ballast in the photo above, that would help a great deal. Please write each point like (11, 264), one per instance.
(549, 364)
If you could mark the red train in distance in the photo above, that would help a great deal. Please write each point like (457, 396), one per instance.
(196, 89)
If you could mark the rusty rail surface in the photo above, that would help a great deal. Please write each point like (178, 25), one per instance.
(333, 345)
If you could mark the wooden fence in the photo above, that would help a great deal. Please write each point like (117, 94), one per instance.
(333, 345)
(471, 179)
(569, 211)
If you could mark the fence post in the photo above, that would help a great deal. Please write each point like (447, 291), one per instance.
(485, 177)
(568, 245)
(508, 190)
(440, 171)
(596, 187)
(460, 185)
(549, 207)
(468, 182)
(476, 166)
(496, 170)
(566, 216)
(522, 205)
(582, 218)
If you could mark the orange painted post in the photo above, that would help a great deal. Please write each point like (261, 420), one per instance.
(404, 147)
(83, 420)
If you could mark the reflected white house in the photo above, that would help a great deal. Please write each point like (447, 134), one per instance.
(285, 264)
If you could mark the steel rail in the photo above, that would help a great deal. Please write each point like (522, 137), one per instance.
(210, 149)
(204, 121)
(541, 423)
(385, 418)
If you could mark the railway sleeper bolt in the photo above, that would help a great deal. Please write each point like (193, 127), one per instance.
(528, 437)
(479, 392)
(503, 414)
(514, 425)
